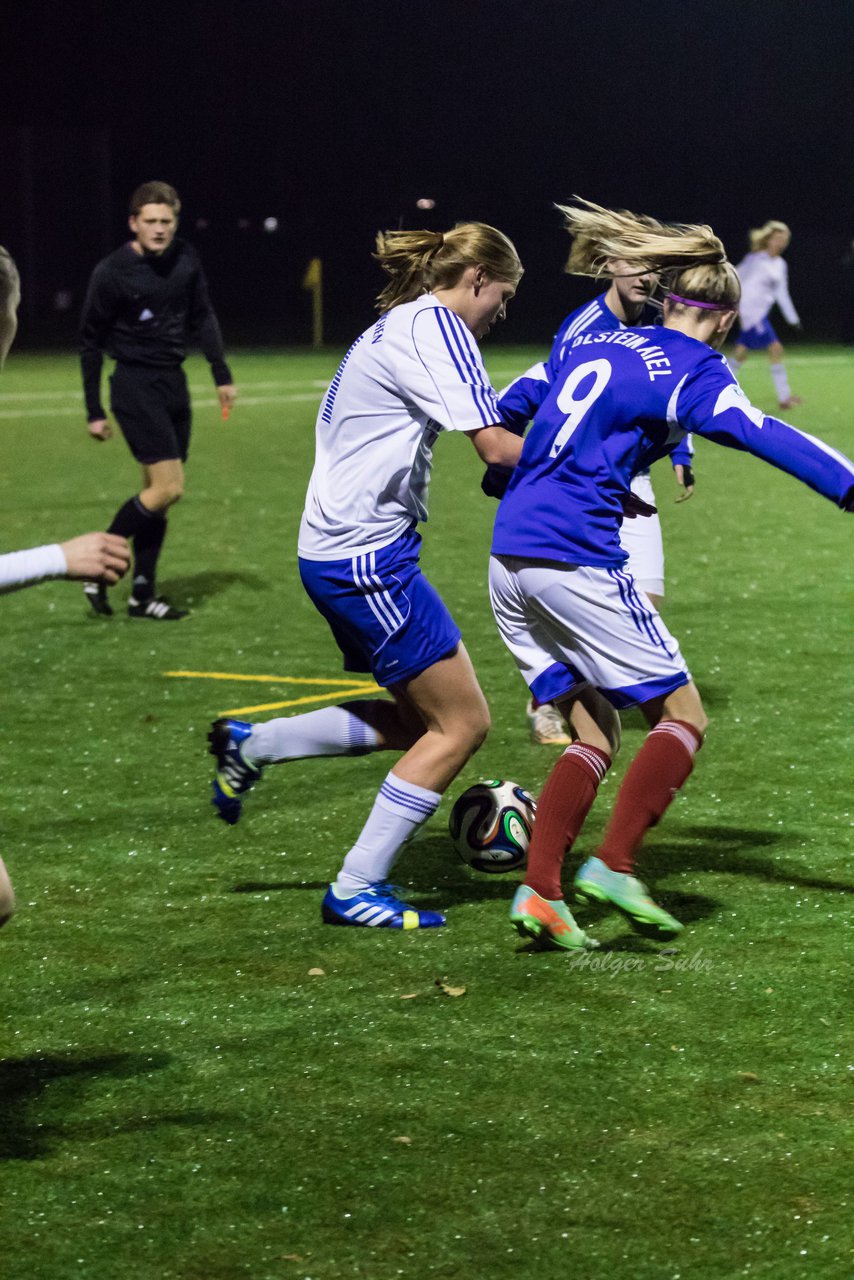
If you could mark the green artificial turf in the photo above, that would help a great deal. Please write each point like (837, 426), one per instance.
(198, 1080)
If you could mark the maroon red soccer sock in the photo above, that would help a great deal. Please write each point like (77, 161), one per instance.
(567, 796)
(659, 769)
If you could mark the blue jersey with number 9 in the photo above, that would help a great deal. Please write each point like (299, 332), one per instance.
(621, 399)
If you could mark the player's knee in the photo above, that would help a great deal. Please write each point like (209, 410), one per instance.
(7, 897)
(474, 729)
(775, 352)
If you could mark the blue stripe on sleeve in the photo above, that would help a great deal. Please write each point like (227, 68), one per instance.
(450, 327)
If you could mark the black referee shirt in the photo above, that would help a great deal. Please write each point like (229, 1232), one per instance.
(145, 309)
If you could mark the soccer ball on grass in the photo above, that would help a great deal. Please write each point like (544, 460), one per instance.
(490, 825)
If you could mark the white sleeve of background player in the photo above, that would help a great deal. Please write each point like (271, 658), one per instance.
(23, 568)
(781, 293)
(453, 387)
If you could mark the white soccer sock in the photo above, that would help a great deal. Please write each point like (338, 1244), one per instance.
(330, 731)
(781, 382)
(399, 810)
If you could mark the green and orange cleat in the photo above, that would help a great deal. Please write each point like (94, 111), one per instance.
(596, 882)
(547, 921)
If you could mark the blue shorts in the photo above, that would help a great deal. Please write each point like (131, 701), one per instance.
(758, 337)
(385, 616)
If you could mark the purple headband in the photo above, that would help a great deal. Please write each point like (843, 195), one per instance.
(705, 306)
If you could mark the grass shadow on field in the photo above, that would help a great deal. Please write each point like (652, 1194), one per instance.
(26, 1132)
(728, 849)
(198, 587)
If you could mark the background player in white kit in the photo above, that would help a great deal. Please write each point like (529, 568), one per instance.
(623, 303)
(100, 556)
(581, 634)
(413, 374)
(764, 278)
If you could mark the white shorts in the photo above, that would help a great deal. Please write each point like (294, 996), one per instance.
(641, 538)
(566, 625)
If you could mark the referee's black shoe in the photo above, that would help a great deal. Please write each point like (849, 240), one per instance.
(156, 608)
(96, 594)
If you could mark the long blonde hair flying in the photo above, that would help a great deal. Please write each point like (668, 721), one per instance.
(691, 255)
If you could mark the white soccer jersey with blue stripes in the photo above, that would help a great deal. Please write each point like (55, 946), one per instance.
(417, 371)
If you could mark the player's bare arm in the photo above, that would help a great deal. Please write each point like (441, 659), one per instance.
(497, 446)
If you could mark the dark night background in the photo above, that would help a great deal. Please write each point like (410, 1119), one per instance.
(335, 117)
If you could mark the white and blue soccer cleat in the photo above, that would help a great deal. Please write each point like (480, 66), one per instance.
(377, 908)
(234, 775)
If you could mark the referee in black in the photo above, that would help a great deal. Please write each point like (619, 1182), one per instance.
(144, 303)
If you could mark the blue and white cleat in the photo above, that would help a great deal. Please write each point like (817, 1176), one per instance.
(234, 775)
(377, 908)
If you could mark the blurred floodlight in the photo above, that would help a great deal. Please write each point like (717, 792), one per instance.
(425, 203)
(271, 224)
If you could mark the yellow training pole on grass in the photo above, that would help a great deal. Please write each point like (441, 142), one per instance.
(313, 282)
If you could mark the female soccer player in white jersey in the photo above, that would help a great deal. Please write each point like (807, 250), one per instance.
(764, 280)
(413, 374)
(622, 304)
(581, 634)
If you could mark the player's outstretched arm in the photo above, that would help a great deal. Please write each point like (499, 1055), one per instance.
(96, 557)
(723, 413)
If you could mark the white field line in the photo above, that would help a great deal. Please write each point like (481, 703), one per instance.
(320, 383)
(247, 398)
(243, 402)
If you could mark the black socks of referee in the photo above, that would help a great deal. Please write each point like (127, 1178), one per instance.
(147, 529)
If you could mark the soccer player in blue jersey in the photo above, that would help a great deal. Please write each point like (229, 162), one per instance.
(624, 303)
(414, 374)
(570, 614)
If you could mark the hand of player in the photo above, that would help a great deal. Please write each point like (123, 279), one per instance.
(685, 480)
(227, 395)
(100, 429)
(99, 557)
(634, 506)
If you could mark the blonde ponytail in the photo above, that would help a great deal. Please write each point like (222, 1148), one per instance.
(420, 261)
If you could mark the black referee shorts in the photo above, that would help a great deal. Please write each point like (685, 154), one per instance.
(152, 406)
